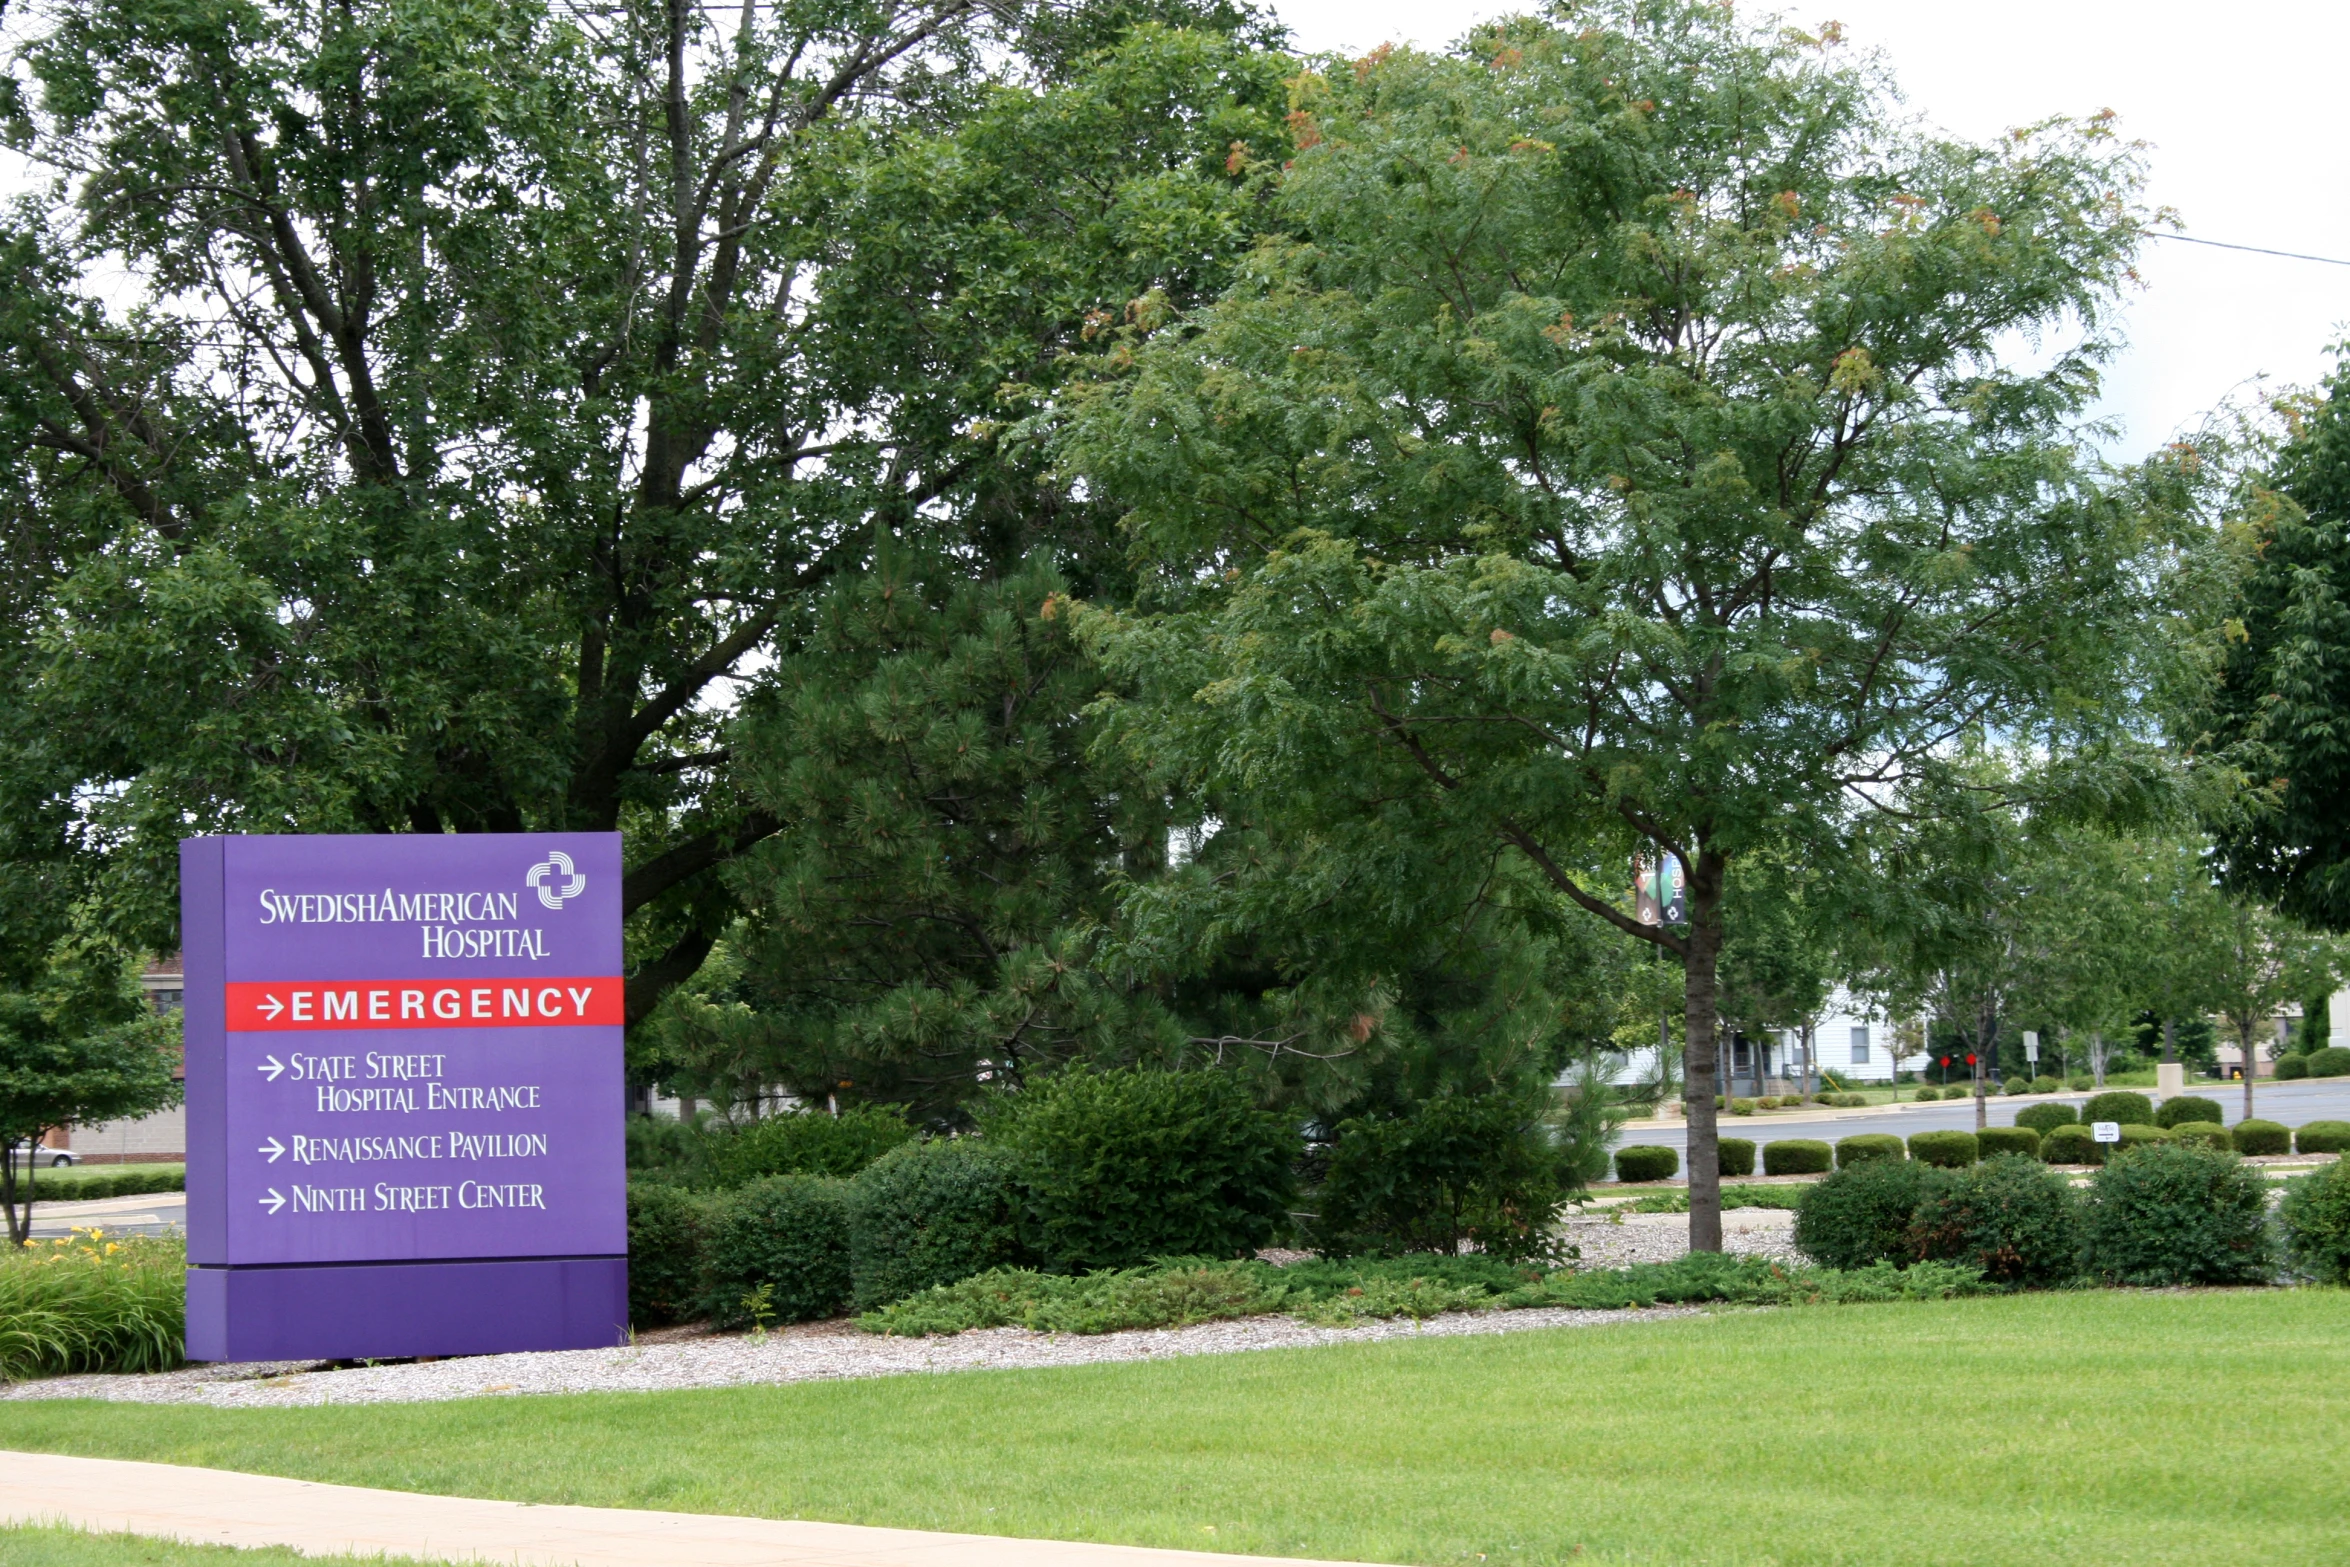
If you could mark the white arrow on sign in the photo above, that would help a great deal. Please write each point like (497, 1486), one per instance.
(273, 1201)
(271, 1065)
(273, 1148)
(275, 1007)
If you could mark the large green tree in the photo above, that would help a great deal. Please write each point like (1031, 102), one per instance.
(1625, 450)
(439, 410)
(2274, 714)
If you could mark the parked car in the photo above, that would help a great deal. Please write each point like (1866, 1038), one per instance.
(47, 1158)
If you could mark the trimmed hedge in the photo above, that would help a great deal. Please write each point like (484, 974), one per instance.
(2316, 1219)
(2021, 1140)
(664, 1253)
(1864, 1146)
(2322, 1137)
(2008, 1216)
(2071, 1143)
(1797, 1156)
(808, 1142)
(2172, 1214)
(1860, 1215)
(2203, 1134)
(1949, 1150)
(2043, 1118)
(2015, 1085)
(2046, 1085)
(1486, 1170)
(789, 1233)
(931, 1213)
(2189, 1107)
(87, 1183)
(2332, 1061)
(2292, 1068)
(2263, 1137)
(2080, 1082)
(1647, 1162)
(1120, 1167)
(2119, 1104)
(1737, 1155)
(2136, 1136)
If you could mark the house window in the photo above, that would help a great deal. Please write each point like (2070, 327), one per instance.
(1860, 1045)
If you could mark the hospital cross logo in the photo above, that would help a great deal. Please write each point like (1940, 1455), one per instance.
(542, 876)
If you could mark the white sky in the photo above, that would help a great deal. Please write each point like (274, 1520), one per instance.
(2242, 104)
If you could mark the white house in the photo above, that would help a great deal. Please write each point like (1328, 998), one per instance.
(1850, 1039)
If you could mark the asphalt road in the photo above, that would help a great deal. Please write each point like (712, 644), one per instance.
(2292, 1103)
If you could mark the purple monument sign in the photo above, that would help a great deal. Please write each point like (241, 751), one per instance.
(404, 1095)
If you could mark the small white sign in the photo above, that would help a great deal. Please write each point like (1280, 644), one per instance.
(2106, 1131)
(2031, 1047)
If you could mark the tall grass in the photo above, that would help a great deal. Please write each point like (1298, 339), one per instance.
(93, 1303)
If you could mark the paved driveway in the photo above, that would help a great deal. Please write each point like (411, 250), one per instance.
(2292, 1103)
(156, 1214)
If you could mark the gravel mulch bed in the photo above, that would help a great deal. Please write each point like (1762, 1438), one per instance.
(807, 1352)
(1664, 1237)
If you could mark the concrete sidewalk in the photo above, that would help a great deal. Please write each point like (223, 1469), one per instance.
(222, 1507)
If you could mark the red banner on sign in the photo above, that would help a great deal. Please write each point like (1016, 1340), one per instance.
(305, 1005)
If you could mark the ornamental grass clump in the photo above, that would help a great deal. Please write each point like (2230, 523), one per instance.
(93, 1303)
(2170, 1213)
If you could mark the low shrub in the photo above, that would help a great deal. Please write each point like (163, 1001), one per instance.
(2322, 1137)
(1486, 1170)
(2262, 1137)
(1119, 1167)
(807, 1142)
(2316, 1220)
(2189, 1107)
(1737, 1155)
(1864, 1146)
(2204, 1134)
(2119, 1104)
(1797, 1156)
(2292, 1068)
(1647, 1162)
(2069, 1142)
(89, 1183)
(2015, 1085)
(2332, 1061)
(664, 1253)
(1992, 1086)
(2040, 1118)
(2171, 1214)
(2007, 1216)
(2136, 1136)
(931, 1213)
(2080, 1082)
(1950, 1150)
(1742, 1107)
(1860, 1215)
(92, 1303)
(2046, 1085)
(2008, 1140)
(786, 1235)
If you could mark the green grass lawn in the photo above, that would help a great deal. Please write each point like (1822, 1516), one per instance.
(2091, 1427)
(72, 1548)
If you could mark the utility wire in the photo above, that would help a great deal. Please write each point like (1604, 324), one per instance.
(2257, 250)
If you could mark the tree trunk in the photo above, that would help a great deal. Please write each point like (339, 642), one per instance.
(1811, 1066)
(2097, 1056)
(1701, 1050)
(1985, 1022)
